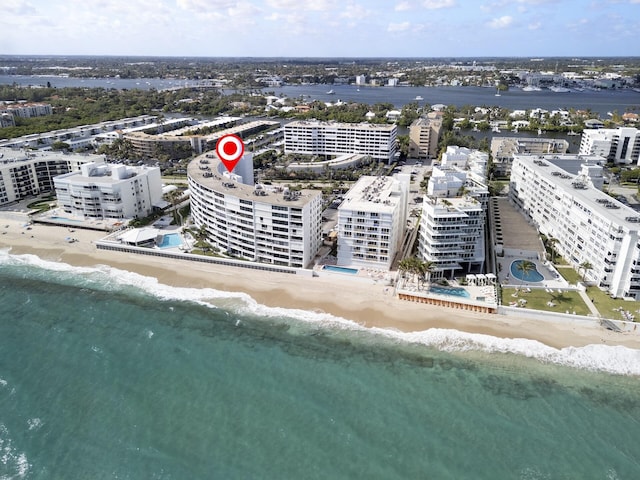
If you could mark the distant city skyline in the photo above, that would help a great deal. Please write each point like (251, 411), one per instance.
(321, 28)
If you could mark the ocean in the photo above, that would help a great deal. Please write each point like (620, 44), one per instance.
(106, 374)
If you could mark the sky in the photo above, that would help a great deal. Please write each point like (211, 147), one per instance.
(321, 28)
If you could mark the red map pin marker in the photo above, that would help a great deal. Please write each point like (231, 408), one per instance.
(230, 149)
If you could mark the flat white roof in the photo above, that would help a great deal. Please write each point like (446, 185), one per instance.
(373, 194)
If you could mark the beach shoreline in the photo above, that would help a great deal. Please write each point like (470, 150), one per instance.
(368, 303)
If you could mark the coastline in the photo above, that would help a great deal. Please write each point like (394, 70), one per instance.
(361, 301)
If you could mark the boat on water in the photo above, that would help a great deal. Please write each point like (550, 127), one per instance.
(418, 97)
(331, 92)
(559, 89)
(572, 133)
(498, 92)
(531, 88)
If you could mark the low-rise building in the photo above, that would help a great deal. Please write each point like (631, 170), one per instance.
(26, 109)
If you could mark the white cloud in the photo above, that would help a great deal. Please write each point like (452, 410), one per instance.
(501, 22)
(304, 5)
(355, 11)
(534, 26)
(205, 5)
(436, 4)
(398, 27)
(402, 6)
(18, 7)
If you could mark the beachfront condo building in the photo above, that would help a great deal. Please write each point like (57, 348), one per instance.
(25, 174)
(371, 222)
(109, 191)
(616, 145)
(261, 223)
(424, 134)
(333, 139)
(453, 222)
(503, 150)
(561, 195)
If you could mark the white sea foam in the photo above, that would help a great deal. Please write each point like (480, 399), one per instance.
(14, 461)
(604, 358)
(3, 382)
(34, 423)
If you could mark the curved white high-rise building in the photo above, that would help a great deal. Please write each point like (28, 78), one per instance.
(271, 225)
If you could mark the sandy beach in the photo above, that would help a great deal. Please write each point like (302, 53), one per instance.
(365, 302)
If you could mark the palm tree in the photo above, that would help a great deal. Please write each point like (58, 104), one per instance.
(413, 266)
(525, 267)
(551, 243)
(404, 266)
(585, 267)
(426, 269)
(174, 197)
(202, 236)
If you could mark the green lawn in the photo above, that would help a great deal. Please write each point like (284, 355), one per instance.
(570, 275)
(537, 300)
(608, 307)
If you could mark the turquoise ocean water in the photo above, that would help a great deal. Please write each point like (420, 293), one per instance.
(109, 375)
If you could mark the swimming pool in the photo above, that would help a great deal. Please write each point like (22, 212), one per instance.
(333, 268)
(65, 219)
(453, 291)
(527, 276)
(170, 240)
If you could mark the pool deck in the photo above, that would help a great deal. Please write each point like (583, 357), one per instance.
(552, 279)
(481, 298)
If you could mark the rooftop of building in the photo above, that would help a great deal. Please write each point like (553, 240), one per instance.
(207, 170)
(362, 125)
(380, 194)
(14, 155)
(563, 170)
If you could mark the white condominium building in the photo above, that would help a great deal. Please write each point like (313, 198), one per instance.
(26, 109)
(371, 222)
(271, 225)
(30, 173)
(617, 145)
(452, 225)
(558, 194)
(106, 191)
(332, 138)
(504, 148)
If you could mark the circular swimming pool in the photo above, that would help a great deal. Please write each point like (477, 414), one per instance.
(532, 275)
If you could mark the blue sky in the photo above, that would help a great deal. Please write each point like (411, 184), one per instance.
(321, 28)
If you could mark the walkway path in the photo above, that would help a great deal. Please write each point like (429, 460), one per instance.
(589, 303)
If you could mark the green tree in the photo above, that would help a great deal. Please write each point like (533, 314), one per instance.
(525, 267)
(585, 267)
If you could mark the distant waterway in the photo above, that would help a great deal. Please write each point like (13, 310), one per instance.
(599, 101)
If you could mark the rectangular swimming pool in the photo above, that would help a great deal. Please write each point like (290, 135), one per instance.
(170, 240)
(333, 268)
(453, 291)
